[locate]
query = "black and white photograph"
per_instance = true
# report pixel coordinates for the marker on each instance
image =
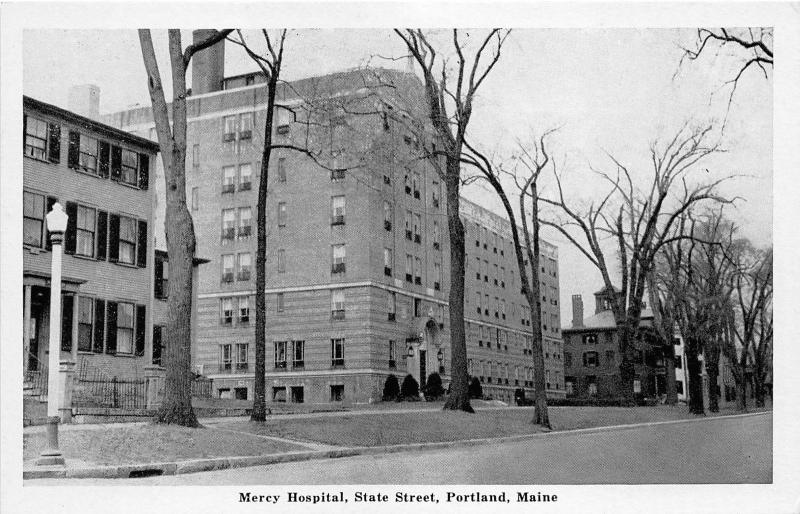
(396, 258)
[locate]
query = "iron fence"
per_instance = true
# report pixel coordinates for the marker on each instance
(201, 387)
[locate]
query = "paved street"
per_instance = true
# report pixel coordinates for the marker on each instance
(714, 450)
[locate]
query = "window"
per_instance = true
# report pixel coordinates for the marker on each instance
(279, 394)
(437, 276)
(85, 323)
(503, 309)
(678, 361)
(592, 385)
(226, 311)
(590, 359)
(407, 182)
(392, 354)
(282, 214)
(225, 357)
(679, 386)
(127, 240)
(338, 265)
(227, 267)
(87, 159)
(280, 354)
(125, 325)
(281, 261)
(280, 302)
(337, 304)
(244, 264)
(245, 177)
(228, 224)
(409, 268)
(246, 125)
(590, 339)
(229, 128)
(195, 155)
(388, 259)
(436, 241)
(478, 302)
(387, 215)
(486, 304)
(245, 222)
(33, 218)
(391, 306)
(241, 356)
(417, 271)
(337, 210)
(417, 307)
(609, 356)
(298, 354)
(337, 352)
(35, 138)
(85, 228)
(417, 228)
(228, 179)
(195, 198)
(408, 225)
(130, 167)
(478, 268)
(281, 169)
(338, 174)
(244, 309)
(337, 393)
(485, 270)
(435, 194)
(415, 184)
(496, 276)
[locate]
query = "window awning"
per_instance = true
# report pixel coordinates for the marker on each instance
(42, 279)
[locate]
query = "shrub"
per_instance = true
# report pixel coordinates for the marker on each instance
(391, 388)
(475, 389)
(433, 387)
(410, 389)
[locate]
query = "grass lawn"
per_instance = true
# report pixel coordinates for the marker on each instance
(386, 428)
(152, 443)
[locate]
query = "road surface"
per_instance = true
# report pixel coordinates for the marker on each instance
(714, 450)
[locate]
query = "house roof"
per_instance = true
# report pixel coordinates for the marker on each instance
(603, 320)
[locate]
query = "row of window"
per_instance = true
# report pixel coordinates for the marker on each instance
(413, 226)
(104, 326)
(42, 141)
(591, 359)
(91, 232)
(298, 393)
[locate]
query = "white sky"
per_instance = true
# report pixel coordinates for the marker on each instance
(611, 90)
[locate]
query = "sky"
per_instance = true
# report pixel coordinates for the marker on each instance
(609, 92)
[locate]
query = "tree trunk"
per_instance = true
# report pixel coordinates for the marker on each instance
(177, 405)
(669, 369)
(540, 414)
(627, 372)
(712, 370)
(459, 384)
(259, 384)
(696, 403)
(741, 392)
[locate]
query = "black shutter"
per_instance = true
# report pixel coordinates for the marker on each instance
(67, 302)
(74, 149)
(51, 200)
(141, 246)
(99, 325)
(144, 171)
(111, 327)
(104, 151)
(113, 237)
(141, 324)
(54, 142)
(157, 345)
(24, 132)
(116, 163)
(102, 235)
(71, 236)
(158, 277)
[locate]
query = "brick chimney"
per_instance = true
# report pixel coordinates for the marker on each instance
(208, 66)
(84, 100)
(577, 311)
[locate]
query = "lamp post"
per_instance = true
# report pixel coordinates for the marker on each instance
(56, 226)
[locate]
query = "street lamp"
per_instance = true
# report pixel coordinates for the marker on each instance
(410, 351)
(56, 226)
(440, 355)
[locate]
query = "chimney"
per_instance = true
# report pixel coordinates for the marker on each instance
(84, 100)
(577, 311)
(208, 65)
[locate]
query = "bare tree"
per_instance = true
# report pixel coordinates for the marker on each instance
(664, 323)
(530, 162)
(749, 47)
(639, 222)
(750, 320)
(450, 93)
(180, 237)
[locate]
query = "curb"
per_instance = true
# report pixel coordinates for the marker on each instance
(220, 463)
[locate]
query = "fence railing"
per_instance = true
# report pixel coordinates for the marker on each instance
(35, 381)
(201, 387)
(95, 388)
